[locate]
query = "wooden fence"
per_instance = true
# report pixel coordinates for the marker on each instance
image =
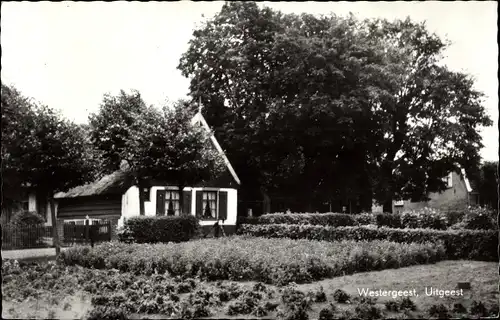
(98, 231)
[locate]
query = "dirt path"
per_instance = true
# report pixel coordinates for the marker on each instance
(30, 253)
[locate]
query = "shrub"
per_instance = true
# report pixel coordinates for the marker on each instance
(319, 295)
(459, 308)
(392, 306)
(479, 219)
(276, 261)
(425, 218)
(439, 310)
(107, 313)
(26, 218)
(407, 304)
(155, 229)
(325, 219)
(367, 311)
(459, 244)
(478, 309)
(326, 314)
(23, 231)
(341, 296)
(390, 220)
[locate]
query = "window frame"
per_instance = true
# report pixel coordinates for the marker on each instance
(177, 212)
(207, 191)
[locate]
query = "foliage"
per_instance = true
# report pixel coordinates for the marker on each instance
(25, 219)
(277, 261)
(390, 220)
(424, 218)
(401, 119)
(327, 219)
(111, 126)
(367, 311)
(439, 310)
(407, 304)
(153, 229)
(166, 146)
(459, 244)
(155, 145)
(116, 294)
(22, 230)
(341, 296)
(478, 308)
(106, 313)
(40, 148)
(478, 218)
(488, 184)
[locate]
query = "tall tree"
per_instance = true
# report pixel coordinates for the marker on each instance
(110, 131)
(17, 121)
(305, 102)
(427, 116)
(166, 146)
(283, 90)
(46, 152)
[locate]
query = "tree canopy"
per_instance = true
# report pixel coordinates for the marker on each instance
(327, 106)
(157, 145)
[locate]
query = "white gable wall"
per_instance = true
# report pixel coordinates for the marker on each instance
(130, 203)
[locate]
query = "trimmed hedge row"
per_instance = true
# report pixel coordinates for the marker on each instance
(459, 244)
(325, 219)
(426, 218)
(276, 261)
(154, 229)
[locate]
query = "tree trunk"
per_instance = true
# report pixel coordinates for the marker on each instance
(141, 196)
(55, 234)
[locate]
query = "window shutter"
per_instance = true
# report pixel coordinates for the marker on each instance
(222, 205)
(160, 202)
(199, 203)
(187, 202)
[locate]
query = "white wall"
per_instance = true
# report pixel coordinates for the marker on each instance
(130, 203)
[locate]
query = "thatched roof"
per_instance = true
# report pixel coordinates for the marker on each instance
(113, 184)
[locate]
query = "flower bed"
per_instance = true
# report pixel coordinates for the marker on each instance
(459, 244)
(276, 261)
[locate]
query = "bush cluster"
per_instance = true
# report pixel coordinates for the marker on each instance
(459, 244)
(153, 229)
(276, 261)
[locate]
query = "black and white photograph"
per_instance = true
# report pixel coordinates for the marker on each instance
(249, 160)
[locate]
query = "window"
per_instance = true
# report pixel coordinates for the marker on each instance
(25, 205)
(209, 205)
(172, 203)
(448, 180)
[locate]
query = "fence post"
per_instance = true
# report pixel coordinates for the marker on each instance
(86, 230)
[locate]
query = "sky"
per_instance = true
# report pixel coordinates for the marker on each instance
(69, 54)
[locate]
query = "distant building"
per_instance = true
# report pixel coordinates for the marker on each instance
(459, 194)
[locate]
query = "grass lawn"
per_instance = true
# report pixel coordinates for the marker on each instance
(73, 300)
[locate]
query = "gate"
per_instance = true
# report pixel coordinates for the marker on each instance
(98, 231)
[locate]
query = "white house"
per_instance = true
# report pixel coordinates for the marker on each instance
(116, 198)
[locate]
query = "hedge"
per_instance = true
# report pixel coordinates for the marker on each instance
(459, 244)
(144, 229)
(276, 261)
(425, 218)
(325, 219)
